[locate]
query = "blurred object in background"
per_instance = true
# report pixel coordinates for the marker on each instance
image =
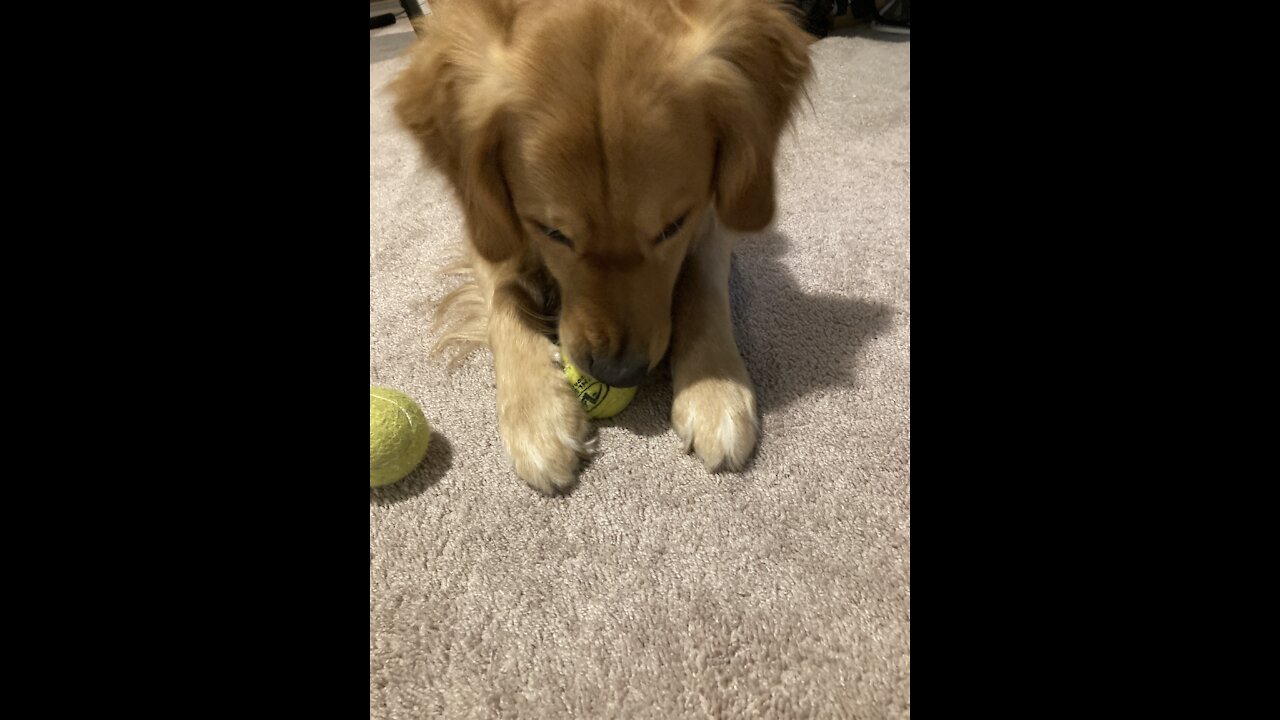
(819, 16)
(411, 9)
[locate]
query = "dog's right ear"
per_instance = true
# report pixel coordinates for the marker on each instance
(451, 98)
(750, 63)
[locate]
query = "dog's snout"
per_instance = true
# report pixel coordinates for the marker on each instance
(622, 370)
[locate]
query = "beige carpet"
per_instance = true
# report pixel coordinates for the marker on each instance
(655, 589)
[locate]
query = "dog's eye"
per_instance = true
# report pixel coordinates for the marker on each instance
(671, 229)
(556, 235)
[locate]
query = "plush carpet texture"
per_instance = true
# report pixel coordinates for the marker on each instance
(656, 589)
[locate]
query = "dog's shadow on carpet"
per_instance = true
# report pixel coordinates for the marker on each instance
(795, 345)
(437, 462)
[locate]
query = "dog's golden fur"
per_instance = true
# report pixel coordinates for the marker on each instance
(595, 147)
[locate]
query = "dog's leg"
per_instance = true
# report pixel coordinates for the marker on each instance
(540, 419)
(714, 408)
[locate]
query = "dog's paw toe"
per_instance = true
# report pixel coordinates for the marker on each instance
(547, 440)
(716, 419)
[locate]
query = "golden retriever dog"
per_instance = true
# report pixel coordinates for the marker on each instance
(600, 151)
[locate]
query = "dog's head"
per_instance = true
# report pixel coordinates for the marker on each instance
(591, 138)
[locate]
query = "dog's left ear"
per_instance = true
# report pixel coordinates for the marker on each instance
(751, 61)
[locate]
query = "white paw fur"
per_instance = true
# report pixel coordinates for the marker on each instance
(716, 419)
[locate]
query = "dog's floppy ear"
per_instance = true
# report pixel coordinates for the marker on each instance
(451, 98)
(751, 63)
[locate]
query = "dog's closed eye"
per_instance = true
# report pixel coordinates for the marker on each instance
(555, 234)
(670, 230)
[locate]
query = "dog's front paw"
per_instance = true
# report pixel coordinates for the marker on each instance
(545, 430)
(716, 418)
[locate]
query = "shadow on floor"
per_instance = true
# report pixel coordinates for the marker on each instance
(437, 462)
(795, 344)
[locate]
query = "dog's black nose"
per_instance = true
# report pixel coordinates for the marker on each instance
(626, 370)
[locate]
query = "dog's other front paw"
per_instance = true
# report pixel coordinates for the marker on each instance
(716, 418)
(545, 430)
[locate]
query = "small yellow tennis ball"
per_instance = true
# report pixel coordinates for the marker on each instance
(601, 401)
(398, 435)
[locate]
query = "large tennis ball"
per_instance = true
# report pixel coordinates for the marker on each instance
(398, 435)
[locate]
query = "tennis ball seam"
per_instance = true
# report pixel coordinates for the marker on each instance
(399, 407)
